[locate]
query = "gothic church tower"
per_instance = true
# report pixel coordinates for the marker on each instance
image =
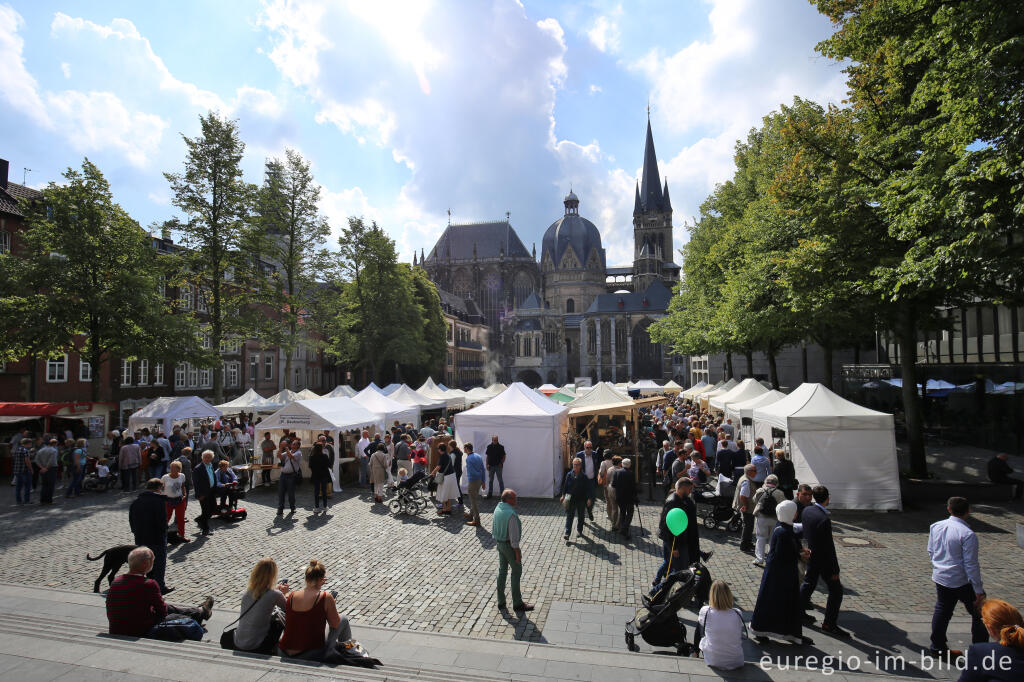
(652, 225)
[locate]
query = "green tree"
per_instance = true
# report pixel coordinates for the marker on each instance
(434, 328)
(88, 280)
(292, 234)
(218, 232)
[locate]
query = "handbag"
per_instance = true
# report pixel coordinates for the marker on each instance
(567, 501)
(227, 637)
(177, 629)
(351, 652)
(438, 478)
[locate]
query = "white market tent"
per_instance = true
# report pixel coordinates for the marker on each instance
(306, 394)
(740, 410)
(836, 443)
(603, 398)
(647, 387)
(746, 389)
(390, 388)
(435, 392)
(168, 411)
(373, 400)
(696, 394)
(688, 393)
(569, 390)
(548, 389)
(307, 417)
(250, 401)
(705, 397)
(478, 395)
(407, 396)
(341, 391)
(672, 387)
(284, 396)
(532, 429)
(496, 388)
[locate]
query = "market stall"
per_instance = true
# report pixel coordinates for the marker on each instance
(435, 392)
(84, 419)
(342, 391)
(250, 401)
(168, 411)
(407, 396)
(704, 398)
(742, 413)
(745, 390)
(373, 400)
(691, 391)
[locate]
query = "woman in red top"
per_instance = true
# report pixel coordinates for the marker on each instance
(306, 612)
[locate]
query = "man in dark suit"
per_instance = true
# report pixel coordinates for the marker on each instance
(203, 479)
(817, 531)
(624, 484)
(147, 517)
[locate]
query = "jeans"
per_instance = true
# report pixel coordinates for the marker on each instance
(945, 603)
(157, 469)
(286, 483)
(49, 482)
(129, 478)
(680, 562)
(364, 475)
(491, 471)
(23, 481)
(319, 492)
(75, 487)
(746, 538)
(835, 593)
(577, 507)
(507, 557)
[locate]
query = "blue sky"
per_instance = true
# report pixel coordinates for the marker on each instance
(407, 109)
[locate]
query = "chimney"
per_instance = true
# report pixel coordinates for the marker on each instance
(4, 168)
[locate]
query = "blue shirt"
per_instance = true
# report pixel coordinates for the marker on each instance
(763, 465)
(953, 548)
(475, 468)
(209, 472)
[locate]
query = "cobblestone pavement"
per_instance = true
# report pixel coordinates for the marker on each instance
(429, 573)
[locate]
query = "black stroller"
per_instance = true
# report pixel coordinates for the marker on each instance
(715, 506)
(657, 621)
(409, 497)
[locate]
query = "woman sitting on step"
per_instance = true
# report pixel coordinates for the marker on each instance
(307, 611)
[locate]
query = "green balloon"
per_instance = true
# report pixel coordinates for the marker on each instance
(677, 521)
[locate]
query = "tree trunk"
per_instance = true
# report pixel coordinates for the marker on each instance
(773, 370)
(803, 361)
(826, 351)
(33, 383)
(728, 366)
(750, 362)
(287, 368)
(906, 335)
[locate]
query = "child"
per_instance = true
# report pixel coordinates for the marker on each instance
(403, 475)
(103, 473)
(721, 627)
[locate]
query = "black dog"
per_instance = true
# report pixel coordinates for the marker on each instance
(113, 559)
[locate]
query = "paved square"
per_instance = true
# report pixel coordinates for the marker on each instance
(434, 574)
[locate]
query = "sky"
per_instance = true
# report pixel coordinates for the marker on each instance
(407, 110)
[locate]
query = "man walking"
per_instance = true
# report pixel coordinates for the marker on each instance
(129, 458)
(624, 485)
(495, 463)
(743, 503)
(817, 530)
(475, 475)
(953, 549)
(507, 531)
(363, 457)
(147, 517)
(202, 478)
(21, 467)
(267, 449)
(46, 460)
(591, 465)
(687, 544)
(291, 461)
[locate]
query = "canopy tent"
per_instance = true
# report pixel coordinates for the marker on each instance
(166, 411)
(602, 399)
(705, 397)
(391, 388)
(478, 395)
(284, 396)
(307, 417)
(496, 388)
(740, 410)
(561, 398)
(569, 390)
(250, 401)
(407, 396)
(306, 394)
(671, 387)
(547, 389)
(745, 390)
(532, 429)
(435, 392)
(647, 387)
(836, 443)
(689, 393)
(696, 394)
(341, 391)
(373, 400)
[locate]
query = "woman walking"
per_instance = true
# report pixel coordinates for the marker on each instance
(319, 475)
(447, 489)
(778, 611)
(176, 491)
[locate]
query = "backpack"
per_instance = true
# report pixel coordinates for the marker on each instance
(766, 505)
(177, 629)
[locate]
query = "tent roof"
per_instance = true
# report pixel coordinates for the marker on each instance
(645, 383)
(672, 387)
(748, 388)
(407, 396)
(517, 400)
(341, 391)
(248, 400)
(601, 399)
(284, 396)
(746, 407)
(547, 389)
(496, 388)
(431, 390)
(562, 398)
(699, 385)
(306, 394)
(814, 407)
(707, 388)
(180, 407)
(390, 388)
(478, 395)
(373, 400)
(321, 414)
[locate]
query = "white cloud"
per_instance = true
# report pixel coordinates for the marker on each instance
(595, 89)
(367, 115)
(17, 85)
(66, 69)
(99, 120)
(604, 33)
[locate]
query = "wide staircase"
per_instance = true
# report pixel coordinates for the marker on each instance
(54, 634)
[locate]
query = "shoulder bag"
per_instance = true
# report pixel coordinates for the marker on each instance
(227, 637)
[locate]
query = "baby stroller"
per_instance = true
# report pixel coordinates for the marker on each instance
(715, 506)
(657, 621)
(409, 497)
(231, 511)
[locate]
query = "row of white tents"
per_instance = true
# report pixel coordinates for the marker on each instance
(834, 442)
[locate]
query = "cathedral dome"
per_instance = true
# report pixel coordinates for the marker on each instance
(571, 230)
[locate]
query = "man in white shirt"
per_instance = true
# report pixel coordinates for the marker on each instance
(590, 468)
(291, 465)
(953, 549)
(363, 457)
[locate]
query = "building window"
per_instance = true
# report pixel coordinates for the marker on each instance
(570, 305)
(268, 367)
(185, 296)
(298, 376)
(254, 368)
(193, 376)
(205, 340)
(158, 374)
(201, 300)
(143, 372)
(5, 241)
(205, 378)
(84, 370)
(126, 373)
(230, 346)
(231, 374)
(57, 370)
(180, 380)
(161, 283)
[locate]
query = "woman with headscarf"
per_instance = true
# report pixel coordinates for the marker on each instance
(777, 611)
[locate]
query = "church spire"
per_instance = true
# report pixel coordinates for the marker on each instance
(637, 208)
(650, 187)
(667, 201)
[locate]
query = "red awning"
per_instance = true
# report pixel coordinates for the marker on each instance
(41, 409)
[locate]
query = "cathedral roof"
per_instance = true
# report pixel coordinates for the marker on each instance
(532, 302)
(655, 298)
(571, 230)
(651, 197)
(485, 241)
